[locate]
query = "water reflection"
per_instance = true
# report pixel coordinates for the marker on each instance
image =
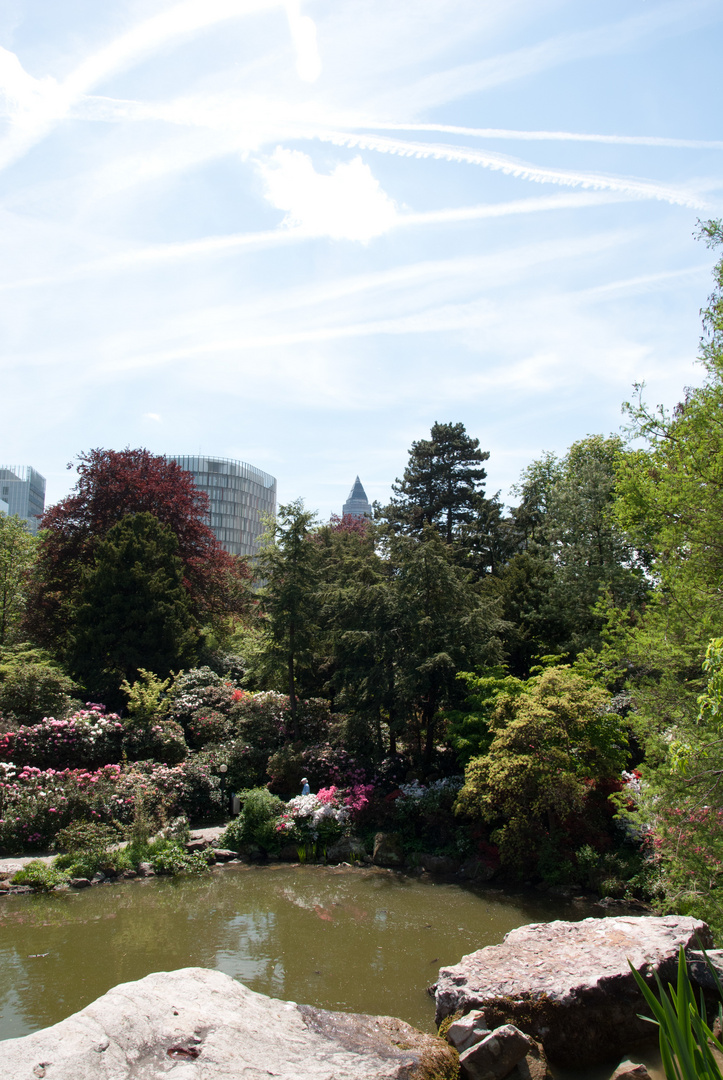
(365, 941)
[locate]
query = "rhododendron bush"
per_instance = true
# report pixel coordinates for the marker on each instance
(90, 739)
(36, 803)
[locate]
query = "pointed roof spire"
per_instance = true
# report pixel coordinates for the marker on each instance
(357, 505)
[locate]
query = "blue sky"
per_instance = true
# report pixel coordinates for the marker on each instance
(298, 233)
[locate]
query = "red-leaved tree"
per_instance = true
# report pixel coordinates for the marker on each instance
(112, 484)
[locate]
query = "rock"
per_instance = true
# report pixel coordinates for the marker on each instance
(388, 850)
(628, 1070)
(440, 864)
(699, 971)
(496, 1055)
(533, 1066)
(145, 870)
(97, 878)
(224, 854)
(203, 1024)
(349, 849)
(476, 870)
(471, 1029)
(196, 845)
(568, 985)
(79, 883)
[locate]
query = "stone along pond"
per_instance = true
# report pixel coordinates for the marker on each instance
(361, 940)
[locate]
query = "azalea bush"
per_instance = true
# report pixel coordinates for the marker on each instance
(314, 822)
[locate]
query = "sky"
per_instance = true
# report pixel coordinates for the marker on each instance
(298, 233)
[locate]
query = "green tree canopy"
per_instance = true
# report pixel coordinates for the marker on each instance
(288, 564)
(442, 484)
(18, 551)
(547, 741)
(132, 611)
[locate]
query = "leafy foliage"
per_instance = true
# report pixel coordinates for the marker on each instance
(17, 555)
(548, 741)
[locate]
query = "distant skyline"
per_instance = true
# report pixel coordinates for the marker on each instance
(297, 233)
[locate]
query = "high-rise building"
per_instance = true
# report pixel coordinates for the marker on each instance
(240, 496)
(357, 505)
(23, 489)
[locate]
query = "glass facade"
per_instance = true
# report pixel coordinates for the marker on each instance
(240, 496)
(23, 489)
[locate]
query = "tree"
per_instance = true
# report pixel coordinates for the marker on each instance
(132, 611)
(670, 498)
(288, 565)
(443, 627)
(548, 741)
(574, 553)
(442, 484)
(17, 555)
(111, 485)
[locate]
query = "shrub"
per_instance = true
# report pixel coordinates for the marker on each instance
(325, 765)
(30, 691)
(40, 876)
(314, 821)
(169, 857)
(256, 824)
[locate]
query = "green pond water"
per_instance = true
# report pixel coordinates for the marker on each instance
(362, 940)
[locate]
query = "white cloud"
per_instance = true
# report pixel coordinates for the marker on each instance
(156, 417)
(303, 34)
(347, 204)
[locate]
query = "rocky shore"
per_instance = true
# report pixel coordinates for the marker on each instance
(559, 991)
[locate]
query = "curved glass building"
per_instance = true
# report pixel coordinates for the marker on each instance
(240, 496)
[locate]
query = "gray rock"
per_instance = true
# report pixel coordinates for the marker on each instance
(289, 853)
(349, 849)
(532, 1067)
(471, 1029)
(629, 1070)
(196, 845)
(145, 870)
(97, 878)
(224, 854)
(496, 1055)
(440, 864)
(79, 883)
(476, 870)
(568, 985)
(388, 850)
(203, 1025)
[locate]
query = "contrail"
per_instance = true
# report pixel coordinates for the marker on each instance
(548, 136)
(642, 189)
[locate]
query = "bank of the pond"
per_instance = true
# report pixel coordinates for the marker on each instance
(364, 939)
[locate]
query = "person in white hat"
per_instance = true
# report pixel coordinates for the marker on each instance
(305, 789)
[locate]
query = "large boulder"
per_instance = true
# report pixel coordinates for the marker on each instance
(388, 850)
(568, 984)
(203, 1025)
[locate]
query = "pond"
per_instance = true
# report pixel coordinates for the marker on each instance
(362, 940)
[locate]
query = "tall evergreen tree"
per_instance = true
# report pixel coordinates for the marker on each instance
(289, 566)
(132, 610)
(442, 484)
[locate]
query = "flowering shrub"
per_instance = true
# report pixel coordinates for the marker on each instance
(314, 821)
(208, 726)
(36, 804)
(264, 719)
(322, 763)
(90, 739)
(426, 812)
